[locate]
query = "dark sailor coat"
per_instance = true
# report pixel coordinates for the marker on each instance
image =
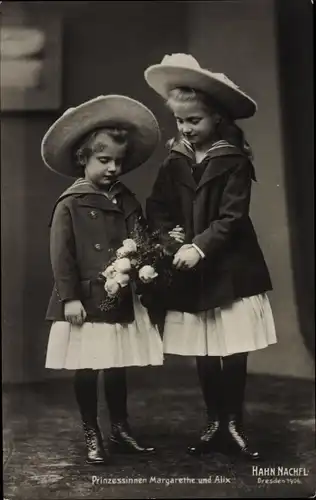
(213, 209)
(86, 227)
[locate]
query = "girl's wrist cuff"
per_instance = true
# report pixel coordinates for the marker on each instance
(198, 250)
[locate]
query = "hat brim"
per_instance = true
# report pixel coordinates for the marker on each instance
(163, 78)
(112, 110)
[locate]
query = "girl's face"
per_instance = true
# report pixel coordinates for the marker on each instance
(105, 163)
(195, 123)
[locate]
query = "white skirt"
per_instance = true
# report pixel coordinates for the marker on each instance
(246, 325)
(104, 345)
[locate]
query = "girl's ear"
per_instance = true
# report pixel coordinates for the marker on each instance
(217, 125)
(81, 158)
(217, 119)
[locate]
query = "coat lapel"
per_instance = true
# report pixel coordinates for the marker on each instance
(217, 167)
(97, 201)
(184, 174)
(126, 203)
(90, 197)
(213, 169)
(185, 157)
(129, 204)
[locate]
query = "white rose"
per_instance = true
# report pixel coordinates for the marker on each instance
(111, 287)
(147, 274)
(122, 279)
(122, 265)
(130, 245)
(122, 252)
(110, 272)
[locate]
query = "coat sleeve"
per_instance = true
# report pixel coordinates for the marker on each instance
(141, 218)
(63, 254)
(136, 220)
(159, 209)
(234, 208)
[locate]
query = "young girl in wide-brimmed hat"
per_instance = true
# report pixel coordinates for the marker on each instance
(218, 309)
(96, 142)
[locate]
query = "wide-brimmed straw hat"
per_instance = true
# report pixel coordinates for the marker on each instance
(183, 70)
(58, 144)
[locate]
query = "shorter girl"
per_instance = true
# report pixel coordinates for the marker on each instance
(96, 142)
(218, 310)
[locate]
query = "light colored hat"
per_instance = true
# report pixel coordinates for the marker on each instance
(183, 70)
(110, 110)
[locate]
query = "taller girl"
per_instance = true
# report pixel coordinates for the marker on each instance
(217, 310)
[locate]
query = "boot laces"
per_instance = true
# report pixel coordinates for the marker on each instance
(238, 434)
(212, 426)
(210, 430)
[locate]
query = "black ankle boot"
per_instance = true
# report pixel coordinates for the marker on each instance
(96, 453)
(209, 373)
(86, 392)
(122, 441)
(237, 441)
(209, 439)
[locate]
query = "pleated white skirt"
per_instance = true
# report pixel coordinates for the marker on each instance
(103, 345)
(244, 326)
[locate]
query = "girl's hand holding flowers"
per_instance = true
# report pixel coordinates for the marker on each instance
(186, 257)
(177, 233)
(136, 262)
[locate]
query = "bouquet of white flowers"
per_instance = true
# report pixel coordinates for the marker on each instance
(140, 261)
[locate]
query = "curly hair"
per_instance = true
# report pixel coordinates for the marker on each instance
(86, 146)
(226, 127)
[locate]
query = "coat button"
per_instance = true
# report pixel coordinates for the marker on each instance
(97, 246)
(93, 214)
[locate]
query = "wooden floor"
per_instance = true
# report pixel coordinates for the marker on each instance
(44, 451)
